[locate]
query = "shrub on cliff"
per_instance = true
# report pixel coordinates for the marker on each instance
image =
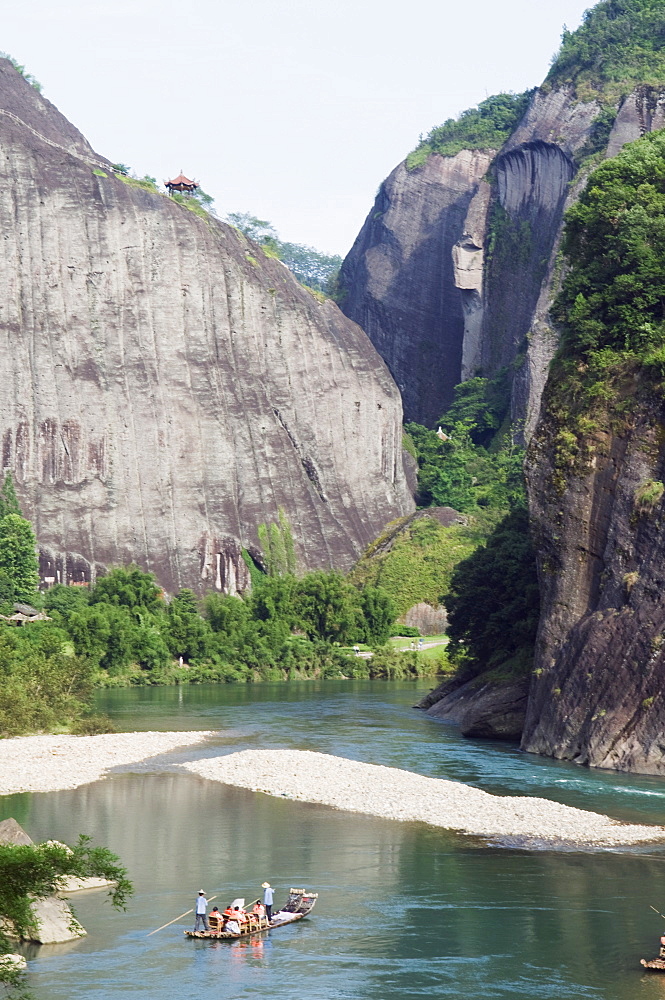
(484, 127)
(460, 474)
(611, 308)
(312, 268)
(494, 601)
(620, 42)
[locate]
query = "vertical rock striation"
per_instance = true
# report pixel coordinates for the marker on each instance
(399, 279)
(455, 268)
(165, 386)
(596, 696)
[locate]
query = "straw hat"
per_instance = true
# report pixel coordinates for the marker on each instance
(265, 885)
(202, 892)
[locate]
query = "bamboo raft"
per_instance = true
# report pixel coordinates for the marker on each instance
(298, 905)
(656, 964)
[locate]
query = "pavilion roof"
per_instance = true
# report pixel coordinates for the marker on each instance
(181, 179)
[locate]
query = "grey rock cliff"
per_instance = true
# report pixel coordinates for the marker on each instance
(399, 278)
(455, 268)
(596, 696)
(481, 709)
(165, 386)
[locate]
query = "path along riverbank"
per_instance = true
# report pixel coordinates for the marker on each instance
(50, 763)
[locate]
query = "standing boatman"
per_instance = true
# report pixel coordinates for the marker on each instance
(268, 895)
(200, 910)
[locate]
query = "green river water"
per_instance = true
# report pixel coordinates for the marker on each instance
(405, 910)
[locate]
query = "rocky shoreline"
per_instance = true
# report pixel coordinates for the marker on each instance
(51, 763)
(394, 794)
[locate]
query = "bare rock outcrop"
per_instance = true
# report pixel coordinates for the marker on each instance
(55, 921)
(399, 279)
(596, 696)
(454, 271)
(484, 709)
(427, 619)
(165, 386)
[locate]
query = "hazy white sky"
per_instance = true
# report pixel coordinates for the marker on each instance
(293, 110)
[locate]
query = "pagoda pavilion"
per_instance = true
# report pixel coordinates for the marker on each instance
(181, 183)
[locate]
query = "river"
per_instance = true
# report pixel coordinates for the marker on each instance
(405, 910)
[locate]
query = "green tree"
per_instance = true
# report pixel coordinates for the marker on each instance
(327, 606)
(18, 558)
(129, 587)
(378, 615)
(273, 599)
(493, 605)
(31, 872)
(189, 634)
(8, 500)
(225, 613)
(482, 405)
(64, 600)
(42, 685)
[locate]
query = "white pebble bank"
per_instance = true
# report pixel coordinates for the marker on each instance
(50, 763)
(401, 795)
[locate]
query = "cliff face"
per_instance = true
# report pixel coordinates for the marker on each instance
(596, 696)
(399, 277)
(165, 387)
(454, 271)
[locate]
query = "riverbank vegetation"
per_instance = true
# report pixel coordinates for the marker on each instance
(124, 630)
(494, 603)
(484, 567)
(30, 872)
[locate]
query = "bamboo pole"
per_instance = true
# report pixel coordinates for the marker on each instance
(176, 918)
(657, 911)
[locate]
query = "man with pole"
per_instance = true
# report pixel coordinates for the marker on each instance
(200, 909)
(268, 897)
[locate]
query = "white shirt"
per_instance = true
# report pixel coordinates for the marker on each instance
(268, 896)
(201, 904)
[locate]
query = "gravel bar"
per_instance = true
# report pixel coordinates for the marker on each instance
(402, 795)
(51, 763)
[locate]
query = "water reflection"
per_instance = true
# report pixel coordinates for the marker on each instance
(375, 722)
(405, 910)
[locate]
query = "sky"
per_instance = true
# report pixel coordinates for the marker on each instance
(292, 110)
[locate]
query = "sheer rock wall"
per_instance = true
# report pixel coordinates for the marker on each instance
(596, 694)
(165, 386)
(399, 278)
(455, 268)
